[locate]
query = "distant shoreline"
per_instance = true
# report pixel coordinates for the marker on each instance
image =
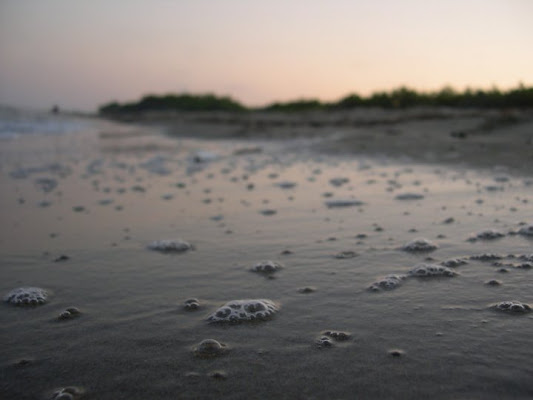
(470, 137)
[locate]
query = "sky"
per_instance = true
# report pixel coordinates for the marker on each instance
(82, 54)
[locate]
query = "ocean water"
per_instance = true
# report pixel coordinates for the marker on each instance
(15, 123)
(81, 208)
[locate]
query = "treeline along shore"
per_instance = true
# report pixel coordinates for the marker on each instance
(401, 98)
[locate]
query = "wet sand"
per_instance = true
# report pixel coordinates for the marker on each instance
(80, 212)
(471, 138)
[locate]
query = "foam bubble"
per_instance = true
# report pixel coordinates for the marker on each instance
(247, 150)
(69, 313)
(192, 375)
(170, 245)
(62, 258)
(512, 306)
(346, 254)
(389, 282)
(501, 178)
(338, 181)
(157, 165)
(426, 270)
(267, 267)
(46, 184)
(94, 167)
(343, 203)
(209, 348)
(68, 393)
(286, 185)
(23, 362)
(420, 244)
(192, 304)
(409, 196)
(244, 310)
(324, 341)
(23, 173)
(26, 296)
(307, 289)
(268, 212)
(203, 156)
(220, 375)
(396, 353)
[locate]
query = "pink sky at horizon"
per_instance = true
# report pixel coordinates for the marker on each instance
(83, 54)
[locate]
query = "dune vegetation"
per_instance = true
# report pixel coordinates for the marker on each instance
(403, 97)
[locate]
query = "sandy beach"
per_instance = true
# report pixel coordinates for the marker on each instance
(469, 137)
(367, 254)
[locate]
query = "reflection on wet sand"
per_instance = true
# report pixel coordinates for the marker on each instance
(328, 227)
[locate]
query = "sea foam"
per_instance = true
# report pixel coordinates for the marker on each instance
(244, 310)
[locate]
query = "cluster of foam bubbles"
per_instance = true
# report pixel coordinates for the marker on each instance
(427, 270)
(487, 234)
(57, 169)
(454, 262)
(512, 306)
(328, 338)
(419, 244)
(244, 310)
(338, 336)
(423, 270)
(499, 260)
(26, 296)
(209, 348)
(526, 257)
(526, 230)
(389, 282)
(519, 265)
(486, 257)
(267, 267)
(170, 246)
